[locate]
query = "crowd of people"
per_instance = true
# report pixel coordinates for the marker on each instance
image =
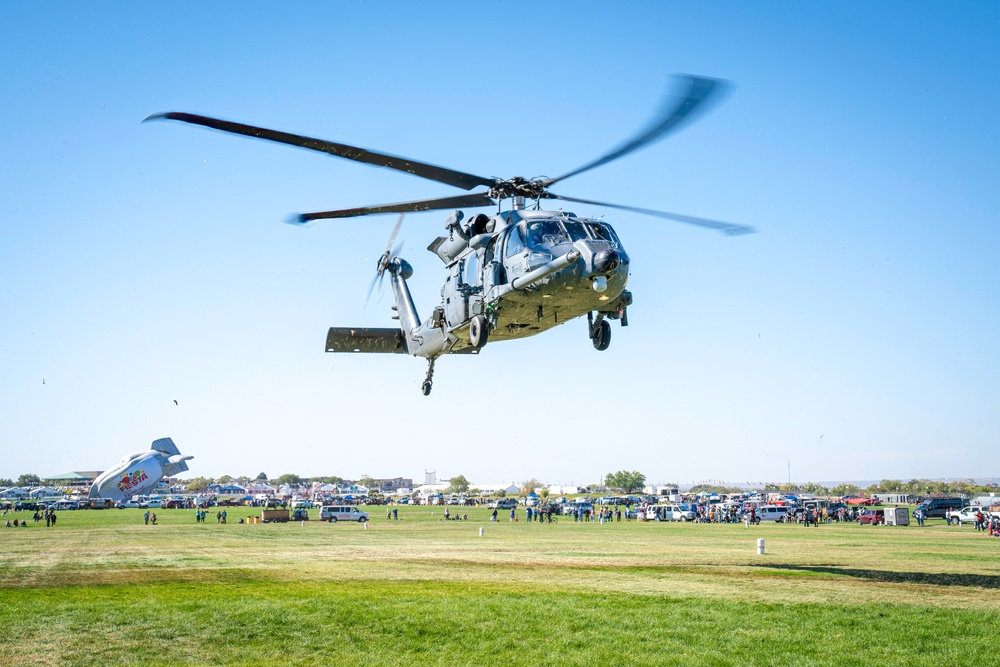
(49, 515)
(988, 524)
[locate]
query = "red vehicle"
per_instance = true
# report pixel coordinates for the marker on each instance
(873, 517)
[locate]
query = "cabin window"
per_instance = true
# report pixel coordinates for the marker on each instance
(472, 270)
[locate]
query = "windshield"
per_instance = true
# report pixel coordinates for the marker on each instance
(540, 233)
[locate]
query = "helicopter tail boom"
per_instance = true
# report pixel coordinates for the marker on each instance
(347, 339)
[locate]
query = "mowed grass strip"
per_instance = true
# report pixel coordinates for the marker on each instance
(442, 623)
(103, 588)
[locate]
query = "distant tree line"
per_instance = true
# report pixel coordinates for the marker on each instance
(623, 480)
(916, 487)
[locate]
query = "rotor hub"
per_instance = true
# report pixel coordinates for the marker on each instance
(518, 187)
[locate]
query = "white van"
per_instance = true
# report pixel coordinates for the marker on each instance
(777, 513)
(335, 513)
(669, 513)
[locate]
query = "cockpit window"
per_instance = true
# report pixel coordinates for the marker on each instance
(576, 231)
(544, 232)
(603, 232)
(515, 243)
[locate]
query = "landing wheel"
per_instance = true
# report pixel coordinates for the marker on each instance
(425, 388)
(479, 331)
(602, 336)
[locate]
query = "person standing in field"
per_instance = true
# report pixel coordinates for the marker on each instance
(145, 517)
(395, 514)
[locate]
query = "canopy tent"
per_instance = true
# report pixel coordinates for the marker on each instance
(70, 477)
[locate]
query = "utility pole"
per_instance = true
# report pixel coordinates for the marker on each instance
(789, 473)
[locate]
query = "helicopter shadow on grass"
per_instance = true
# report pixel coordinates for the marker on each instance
(888, 576)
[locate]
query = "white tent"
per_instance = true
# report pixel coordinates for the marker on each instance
(260, 487)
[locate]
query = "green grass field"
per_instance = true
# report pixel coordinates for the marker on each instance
(102, 588)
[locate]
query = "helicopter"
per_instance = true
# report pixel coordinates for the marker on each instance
(509, 275)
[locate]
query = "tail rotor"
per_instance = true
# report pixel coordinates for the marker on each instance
(391, 252)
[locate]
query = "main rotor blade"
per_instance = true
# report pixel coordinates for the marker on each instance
(428, 171)
(729, 228)
(461, 201)
(692, 92)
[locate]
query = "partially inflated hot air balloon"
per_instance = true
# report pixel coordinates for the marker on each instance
(138, 473)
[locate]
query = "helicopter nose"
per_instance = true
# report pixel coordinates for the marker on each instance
(606, 260)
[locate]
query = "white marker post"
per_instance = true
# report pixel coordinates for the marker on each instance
(481, 531)
(760, 546)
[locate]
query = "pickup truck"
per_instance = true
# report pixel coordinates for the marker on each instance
(968, 514)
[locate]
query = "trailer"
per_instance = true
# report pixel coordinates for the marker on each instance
(897, 516)
(274, 516)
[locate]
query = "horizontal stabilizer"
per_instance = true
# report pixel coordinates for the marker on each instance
(173, 467)
(346, 339)
(166, 445)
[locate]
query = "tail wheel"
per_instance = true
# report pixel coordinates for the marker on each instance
(479, 331)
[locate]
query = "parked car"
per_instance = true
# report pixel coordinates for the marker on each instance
(127, 504)
(156, 504)
(872, 517)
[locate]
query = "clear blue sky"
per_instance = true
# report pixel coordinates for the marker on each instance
(855, 336)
